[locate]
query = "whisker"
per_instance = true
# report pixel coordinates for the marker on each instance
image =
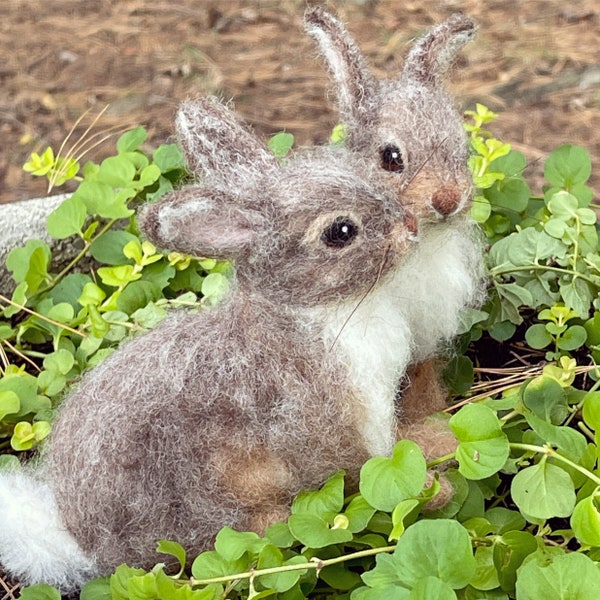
(363, 298)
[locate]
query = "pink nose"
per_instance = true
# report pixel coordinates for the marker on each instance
(446, 200)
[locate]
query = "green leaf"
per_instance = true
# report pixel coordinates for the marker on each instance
(546, 398)
(100, 199)
(325, 502)
(402, 510)
(509, 552)
(591, 410)
(585, 520)
(108, 248)
(29, 263)
(384, 482)
(169, 157)
(132, 140)
(173, 549)
(40, 591)
(439, 548)
(232, 544)
(573, 338)
(271, 556)
(138, 294)
(208, 565)
(486, 576)
(483, 447)
(96, 589)
(570, 576)
(568, 166)
(67, 218)
(214, 287)
(9, 403)
(431, 587)
(280, 144)
(116, 171)
(315, 532)
(537, 336)
(543, 491)
(359, 512)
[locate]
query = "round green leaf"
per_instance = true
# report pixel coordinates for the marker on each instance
(384, 482)
(315, 532)
(67, 218)
(585, 520)
(543, 491)
(574, 337)
(483, 447)
(570, 576)
(40, 591)
(537, 336)
(438, 548)
(568, 166)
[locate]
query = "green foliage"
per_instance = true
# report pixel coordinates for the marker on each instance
(524, 521)
(56, 324)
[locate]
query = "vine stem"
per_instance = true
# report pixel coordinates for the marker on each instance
(314, 563)
(40, 316)
(552, 453)
(514, 269)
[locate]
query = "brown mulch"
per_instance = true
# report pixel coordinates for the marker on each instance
(537, 63)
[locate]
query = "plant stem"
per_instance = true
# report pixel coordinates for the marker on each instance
(314, 563)
(495, 272)
(550, 452)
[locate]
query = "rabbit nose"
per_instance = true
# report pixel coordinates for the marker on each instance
(446, 200)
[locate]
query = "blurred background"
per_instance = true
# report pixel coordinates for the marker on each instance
(535, 62)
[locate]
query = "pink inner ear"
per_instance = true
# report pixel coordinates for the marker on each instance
(203, 227)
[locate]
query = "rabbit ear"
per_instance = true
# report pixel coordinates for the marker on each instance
(201, 222)
(356, 86)
(218, 148)
(432, 55)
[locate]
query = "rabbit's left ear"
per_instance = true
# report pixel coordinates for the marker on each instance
(219, 149)
(355, 85)
(432, 56)
(201, 222)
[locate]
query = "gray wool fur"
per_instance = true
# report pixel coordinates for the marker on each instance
(220, 417)
(414, 114)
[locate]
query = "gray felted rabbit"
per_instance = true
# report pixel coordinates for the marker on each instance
(410, 135)
(220, 417)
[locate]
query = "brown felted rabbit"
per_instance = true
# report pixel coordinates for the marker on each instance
(220, 417)
(411, 137)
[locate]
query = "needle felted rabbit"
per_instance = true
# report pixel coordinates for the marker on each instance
(410, 135)
(220, 417)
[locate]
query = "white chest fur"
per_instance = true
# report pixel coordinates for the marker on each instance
(373, 339)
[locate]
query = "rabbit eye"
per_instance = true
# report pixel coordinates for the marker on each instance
(340, 233)
(391, 159)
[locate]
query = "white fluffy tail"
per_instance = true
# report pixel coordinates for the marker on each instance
(35, 546)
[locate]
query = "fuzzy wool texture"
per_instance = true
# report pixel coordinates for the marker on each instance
(345, 274)
(35, 545)
(414, 114)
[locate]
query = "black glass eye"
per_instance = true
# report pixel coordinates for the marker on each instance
(340, 233)
(391, 159)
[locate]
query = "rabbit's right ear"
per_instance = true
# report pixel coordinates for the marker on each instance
(356, 87)
(201, 222)
(432, 56)
(218, 148)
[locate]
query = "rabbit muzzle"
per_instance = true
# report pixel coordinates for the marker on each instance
(448, 200)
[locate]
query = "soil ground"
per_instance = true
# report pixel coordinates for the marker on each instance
(536, 62)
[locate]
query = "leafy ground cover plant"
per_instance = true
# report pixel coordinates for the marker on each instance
(525, 518)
